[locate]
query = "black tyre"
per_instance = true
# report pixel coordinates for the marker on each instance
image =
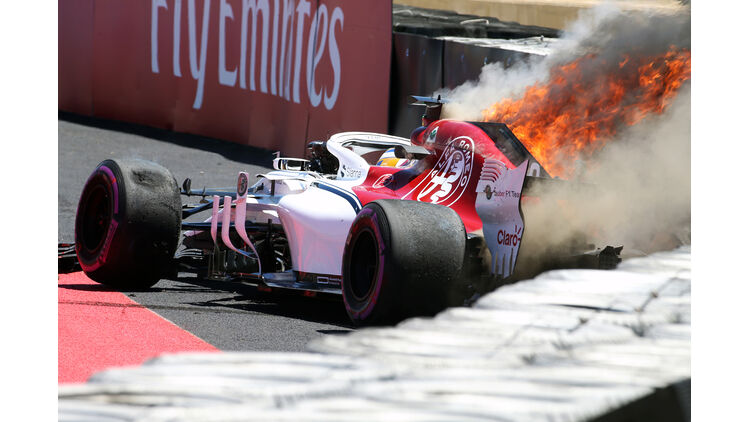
(128, 223)
(402, 259)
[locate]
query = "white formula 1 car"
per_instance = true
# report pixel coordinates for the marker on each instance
(398, 227)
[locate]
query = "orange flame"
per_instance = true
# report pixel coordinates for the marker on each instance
(586, 101)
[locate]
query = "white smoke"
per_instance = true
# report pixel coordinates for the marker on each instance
(635, 193)
(641, 197)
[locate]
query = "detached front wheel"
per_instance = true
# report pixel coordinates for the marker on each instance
(128, 223)
(402, 259)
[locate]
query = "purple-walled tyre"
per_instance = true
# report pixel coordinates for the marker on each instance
(402, 259)
(128, 223)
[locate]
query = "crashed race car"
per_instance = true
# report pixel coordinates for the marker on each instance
(398, 227)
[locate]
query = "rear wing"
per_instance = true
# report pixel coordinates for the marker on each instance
(507, 142)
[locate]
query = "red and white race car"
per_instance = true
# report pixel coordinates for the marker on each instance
(399, 227)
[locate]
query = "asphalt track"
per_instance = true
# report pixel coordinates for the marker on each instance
(225, 315)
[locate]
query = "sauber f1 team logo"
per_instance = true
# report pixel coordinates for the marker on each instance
(448, 179)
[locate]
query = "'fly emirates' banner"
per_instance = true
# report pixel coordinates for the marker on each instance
(268, 73)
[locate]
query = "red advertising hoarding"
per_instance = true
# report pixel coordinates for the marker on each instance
(268, 73)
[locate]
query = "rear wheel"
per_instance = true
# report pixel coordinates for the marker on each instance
(128, 223)
(402, 259)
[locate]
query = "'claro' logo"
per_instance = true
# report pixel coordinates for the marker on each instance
(283, 37)
(509, 238)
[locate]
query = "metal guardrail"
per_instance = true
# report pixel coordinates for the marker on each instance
(568, 345)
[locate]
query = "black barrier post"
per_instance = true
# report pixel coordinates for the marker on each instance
(417, 69)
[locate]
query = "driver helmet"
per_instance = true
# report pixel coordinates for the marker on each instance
(389, 159)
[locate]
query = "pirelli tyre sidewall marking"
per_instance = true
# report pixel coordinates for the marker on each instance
(446, 182)
(106, 173)
(369, 219)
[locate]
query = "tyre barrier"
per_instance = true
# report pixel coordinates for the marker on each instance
(567, 345)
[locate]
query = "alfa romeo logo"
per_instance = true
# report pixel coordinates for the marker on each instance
(448, 179)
